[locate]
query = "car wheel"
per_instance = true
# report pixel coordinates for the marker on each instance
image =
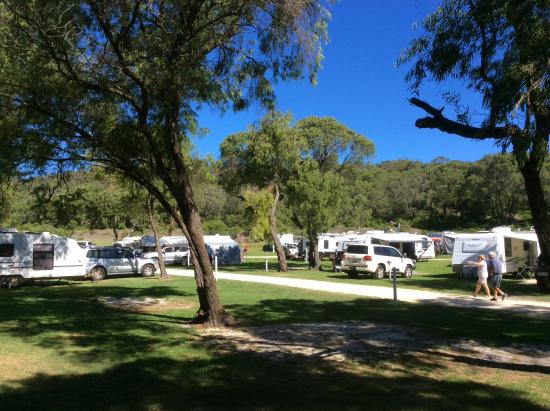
(148, 270)
(98, 274)
(408, 272)
(544, 285)
(380, 272)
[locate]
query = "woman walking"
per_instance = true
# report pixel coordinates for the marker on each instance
(482, 275)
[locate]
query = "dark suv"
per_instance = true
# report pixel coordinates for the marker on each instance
(541, 274)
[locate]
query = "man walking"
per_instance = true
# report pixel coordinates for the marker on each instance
(494, 266)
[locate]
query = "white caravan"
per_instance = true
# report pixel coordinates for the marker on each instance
(516, 250)
(38, 256)
(326, 245)
(418, 247)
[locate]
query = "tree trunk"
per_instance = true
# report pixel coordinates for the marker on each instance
(313, 257)
(150, 213)
(283, 266)
(211, 311)
(539, 207)
(171, 226)
(115, 231)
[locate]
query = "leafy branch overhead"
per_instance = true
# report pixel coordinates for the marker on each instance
(499, 48)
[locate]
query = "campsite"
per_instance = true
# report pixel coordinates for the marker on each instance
(274, 205)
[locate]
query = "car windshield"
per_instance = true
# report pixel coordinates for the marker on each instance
(358, 249)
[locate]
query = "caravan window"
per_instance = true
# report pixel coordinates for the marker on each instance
(508, 247)
(6, 250)
(326, 244)
(42, 257)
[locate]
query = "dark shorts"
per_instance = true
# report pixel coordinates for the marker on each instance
(496, 279)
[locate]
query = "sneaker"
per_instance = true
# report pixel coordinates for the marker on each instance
(504, 296)
(493, 299)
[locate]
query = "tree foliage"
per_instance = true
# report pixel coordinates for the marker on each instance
(499, 48)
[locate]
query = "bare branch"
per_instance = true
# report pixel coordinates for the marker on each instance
(440, 122)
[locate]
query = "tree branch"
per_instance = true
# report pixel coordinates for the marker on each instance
(440, 122)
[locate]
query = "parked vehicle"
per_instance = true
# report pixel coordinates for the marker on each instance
(419, 247)
(291, 250)
(516, 250)
(86, 244)
(26, 255)
(375, 260)
(172, 255)
(541, 273)
(106, 261)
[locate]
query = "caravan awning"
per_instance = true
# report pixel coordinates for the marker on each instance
(522, 236)
(400, 237)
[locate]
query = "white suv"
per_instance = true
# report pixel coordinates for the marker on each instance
(375, 259)
(172, 255)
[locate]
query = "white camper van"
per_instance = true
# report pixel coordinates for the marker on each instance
(516, 250)
(417, 247)
(37, 256)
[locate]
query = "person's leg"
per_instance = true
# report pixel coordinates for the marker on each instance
(478, 288)
(487, 290)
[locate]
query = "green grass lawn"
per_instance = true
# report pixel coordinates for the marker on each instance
(61, 349)
(433, 275)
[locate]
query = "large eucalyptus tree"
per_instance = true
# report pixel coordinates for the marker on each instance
(119, 82)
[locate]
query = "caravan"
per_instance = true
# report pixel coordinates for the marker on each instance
(38, 256)
(417, 247)
(516, 249)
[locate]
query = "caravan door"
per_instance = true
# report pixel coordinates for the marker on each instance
(43, 256)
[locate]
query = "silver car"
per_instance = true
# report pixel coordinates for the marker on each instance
(106, 261)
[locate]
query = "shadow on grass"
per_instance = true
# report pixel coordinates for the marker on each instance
(491, 327)
(69, 317)
(248, 381)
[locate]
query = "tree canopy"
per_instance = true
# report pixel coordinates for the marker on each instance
(499, 48)
(120, 83)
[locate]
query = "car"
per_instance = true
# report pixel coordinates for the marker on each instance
(541, 273)
(172, 255)
(376, 260)
(102, 262)
(291, 250)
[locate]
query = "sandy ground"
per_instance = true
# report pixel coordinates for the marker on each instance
(361, 341)
(525, 307)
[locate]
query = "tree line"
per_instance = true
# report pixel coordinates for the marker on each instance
(438, 195)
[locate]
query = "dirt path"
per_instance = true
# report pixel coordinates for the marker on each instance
(364, 341)
(512, 304)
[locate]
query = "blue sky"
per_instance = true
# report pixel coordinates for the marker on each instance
(361, 87)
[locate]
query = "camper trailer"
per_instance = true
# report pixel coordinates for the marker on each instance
(224, 247)
(38, 256)
(326, 245)
(417, 247)
(516, 250)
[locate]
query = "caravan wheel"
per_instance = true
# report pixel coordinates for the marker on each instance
(13, 281)
(98, 274)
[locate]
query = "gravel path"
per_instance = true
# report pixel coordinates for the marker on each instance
(403, 294)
